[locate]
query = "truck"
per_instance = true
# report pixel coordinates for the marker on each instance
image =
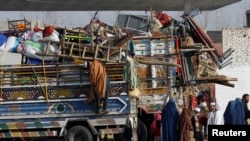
(177, 60)
(43, 99)
(155, 73)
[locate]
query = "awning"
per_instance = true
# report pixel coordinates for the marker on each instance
(110, 5)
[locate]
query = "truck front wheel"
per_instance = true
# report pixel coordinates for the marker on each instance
(79, 133)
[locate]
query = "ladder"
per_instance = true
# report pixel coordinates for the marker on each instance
(73, 50)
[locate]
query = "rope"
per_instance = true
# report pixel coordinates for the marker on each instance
(45, 80)
(44, 90)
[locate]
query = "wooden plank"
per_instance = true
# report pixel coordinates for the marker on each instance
(218, 78)
(153, 91)
(157, 62)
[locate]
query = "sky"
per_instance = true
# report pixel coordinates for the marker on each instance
(231, 16)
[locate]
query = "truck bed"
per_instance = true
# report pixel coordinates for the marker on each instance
(35, 98)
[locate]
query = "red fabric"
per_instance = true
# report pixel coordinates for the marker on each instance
(203, 119)
(193, 102)
(36, 29)
(163, 18)
(156, 130)
(48, 31)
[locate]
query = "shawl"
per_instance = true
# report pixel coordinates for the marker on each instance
(170, 117)
(98, 81)
(184, 125)
(218, 115)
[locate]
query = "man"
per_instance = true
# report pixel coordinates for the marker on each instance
(215, 116)
(99, 86)
(204, 111)
(245, 100)
(197, 126)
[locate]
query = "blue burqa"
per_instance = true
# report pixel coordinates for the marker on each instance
(234, 113)
(170, 117)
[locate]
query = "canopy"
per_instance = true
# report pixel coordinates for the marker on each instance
(110, 5)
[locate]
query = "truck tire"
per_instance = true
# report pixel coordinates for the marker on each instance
(126, 136)
(142, 131)
(120, 137)
(79, 133)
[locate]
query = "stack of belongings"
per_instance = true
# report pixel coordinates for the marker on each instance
(28, 43)
(31, 45)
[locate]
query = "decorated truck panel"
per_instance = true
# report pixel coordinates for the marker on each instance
(33, 106)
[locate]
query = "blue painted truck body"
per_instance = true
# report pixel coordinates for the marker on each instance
(50, 106)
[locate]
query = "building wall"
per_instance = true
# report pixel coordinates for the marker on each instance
(239, 40)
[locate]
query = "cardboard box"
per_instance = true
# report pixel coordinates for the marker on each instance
(7, 58)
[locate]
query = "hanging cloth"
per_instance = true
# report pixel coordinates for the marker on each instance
(184, 125)
(98, 81)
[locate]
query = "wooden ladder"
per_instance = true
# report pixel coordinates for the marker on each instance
(83, 51)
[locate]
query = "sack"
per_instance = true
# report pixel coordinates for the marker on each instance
(54, 36)
(37, 36)
(32, 49)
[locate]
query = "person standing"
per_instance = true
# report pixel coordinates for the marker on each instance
(197, 126)
(204, 112)
(184, 125)
(155, 128)
(245, 100)
(215, 116)
(100, 86)
(234, 113)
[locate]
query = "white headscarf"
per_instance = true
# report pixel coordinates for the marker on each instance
(218, 115)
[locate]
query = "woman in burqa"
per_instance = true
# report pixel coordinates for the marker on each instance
(170, 117)
(234, 113)
(184, 125)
